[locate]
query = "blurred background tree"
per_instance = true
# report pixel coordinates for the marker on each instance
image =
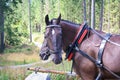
(5, 9)
(14, 17)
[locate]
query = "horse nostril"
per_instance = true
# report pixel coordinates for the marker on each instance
(44, 56)
(41, 55)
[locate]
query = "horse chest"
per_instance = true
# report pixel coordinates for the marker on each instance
(83, 66)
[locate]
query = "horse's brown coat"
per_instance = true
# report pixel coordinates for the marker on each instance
(83, 66)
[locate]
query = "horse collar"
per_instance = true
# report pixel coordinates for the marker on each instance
(77, 41)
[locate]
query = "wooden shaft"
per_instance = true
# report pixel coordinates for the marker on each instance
(54, 72)
(48, 71)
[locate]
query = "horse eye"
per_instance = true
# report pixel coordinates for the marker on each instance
(45, 36)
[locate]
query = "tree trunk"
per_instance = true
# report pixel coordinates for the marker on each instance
(89, 22)
(47, 6)
(119, 24)
(119, 18)
(59, 7)
(41, 14)
(109, 25)
(101, 15)
(84, 10)
(1, 29)
(93, 14)
(29, 1)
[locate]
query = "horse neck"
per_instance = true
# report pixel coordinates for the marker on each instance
(69, 31)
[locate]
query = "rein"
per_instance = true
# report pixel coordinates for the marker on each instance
(104, 38)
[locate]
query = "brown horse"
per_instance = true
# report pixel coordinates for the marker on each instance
(60, 34)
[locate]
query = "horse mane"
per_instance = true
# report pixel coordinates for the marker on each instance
(70, 22)
(66, 21)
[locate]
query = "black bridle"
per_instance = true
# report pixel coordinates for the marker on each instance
(52, 26)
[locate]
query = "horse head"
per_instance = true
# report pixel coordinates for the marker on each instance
(52, 44)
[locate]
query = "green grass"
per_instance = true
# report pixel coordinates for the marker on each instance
(24, 54)
(17, 55)
(21, 73)
(19, 48)
(21, 54)
(13, 74)
(58, 77)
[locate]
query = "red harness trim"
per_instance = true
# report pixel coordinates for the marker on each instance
(82, 37)
(79, 40)
(78, 32)
(70, 56)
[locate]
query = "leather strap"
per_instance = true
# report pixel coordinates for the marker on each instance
(100, 58)
(100, 54)
(101, 49)
(78, 39)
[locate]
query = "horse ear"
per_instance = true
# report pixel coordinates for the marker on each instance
(59, 18)
(47, 19)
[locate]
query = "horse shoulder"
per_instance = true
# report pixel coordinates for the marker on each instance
(111, 56)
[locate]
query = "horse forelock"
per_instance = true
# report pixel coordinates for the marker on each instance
(53, 20)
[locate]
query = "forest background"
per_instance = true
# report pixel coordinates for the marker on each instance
(19, 19)
(22, 27)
